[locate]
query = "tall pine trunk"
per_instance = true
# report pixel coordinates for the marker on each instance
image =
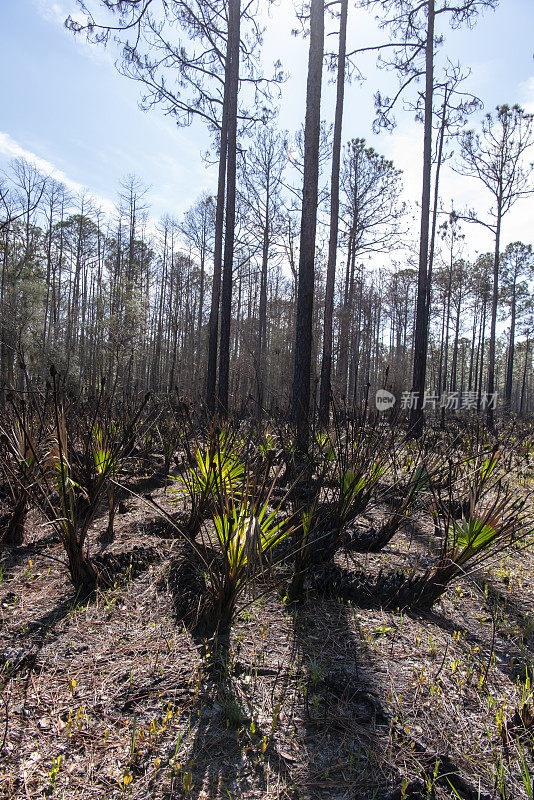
(234, 37)
(511, 348)
(213, 325)
(524, 381)
(493, 325)
(306, 273)
(421, 320)
(262, 317)
(326, 363)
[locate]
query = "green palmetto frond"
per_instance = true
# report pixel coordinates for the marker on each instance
(61, 475)
(214, 472)
(496, 523)
(488, 467)
(473, 535)
(356, 487)
(103, 461)
(246, 534)
(103, 455)
(419, 482)
(220, 469)
(327, 450)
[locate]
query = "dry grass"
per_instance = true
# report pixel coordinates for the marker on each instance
(114, 697)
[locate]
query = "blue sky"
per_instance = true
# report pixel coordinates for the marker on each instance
(64, 104)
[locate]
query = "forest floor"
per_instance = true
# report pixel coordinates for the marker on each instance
(114, 697)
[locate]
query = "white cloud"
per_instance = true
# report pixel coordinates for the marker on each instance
(57, 12)
(53, 12)
(12, 149)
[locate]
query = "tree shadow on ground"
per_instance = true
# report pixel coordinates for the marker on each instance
(329, 691)
(21, 660)
(520, 613)
(326, 682)
(352, 724)
(497, 601)
(220, 748)
(12, 557)
(345, 723)
(505, 655)
(376, 593)
(223, 754)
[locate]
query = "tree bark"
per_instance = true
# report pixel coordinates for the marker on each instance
(493, 326)
(213, 326)
(511, 347)
(234, 20)
(262, 316)
(326, 362)
(306, 274)
(14, 533)
(421, 326)
(524, 381)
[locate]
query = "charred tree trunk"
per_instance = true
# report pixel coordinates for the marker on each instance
(306, 274)
(493, 326)
(262, 318)
(326, 363)
(83, 574)
(226, 298)
(213, 326)
(511, 348)
(14, 533)
(421, 320)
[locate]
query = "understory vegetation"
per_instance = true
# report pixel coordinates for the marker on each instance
(194, 608)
